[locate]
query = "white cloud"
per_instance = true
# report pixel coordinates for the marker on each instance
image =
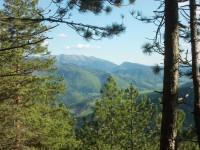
(62, 35)
(198, 12)
(45, 43)
(82, 46)
(183, 3)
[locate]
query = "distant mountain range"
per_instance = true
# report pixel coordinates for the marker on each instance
(86, 75)
(87, 62)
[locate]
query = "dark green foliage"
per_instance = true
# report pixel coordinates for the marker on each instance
(95, 5)
(87, 31)
(119, 122)
(107, 126)
(188, 139)
(29, 87)
(30, 117)
(156, 69)
(41, 127)
(186, 105)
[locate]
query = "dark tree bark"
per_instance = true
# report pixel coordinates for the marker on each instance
(195, 66)
(171, 73)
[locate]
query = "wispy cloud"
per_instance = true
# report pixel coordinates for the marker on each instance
(45, 43)
(82, 46)
(183, 3)
(62, 35)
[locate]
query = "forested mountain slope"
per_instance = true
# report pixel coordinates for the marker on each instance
(86, 75)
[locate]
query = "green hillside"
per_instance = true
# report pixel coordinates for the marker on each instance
(186, 105)
(81, 83)
(86, 75)
(84, 83)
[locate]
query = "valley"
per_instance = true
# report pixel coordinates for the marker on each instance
(86, 75)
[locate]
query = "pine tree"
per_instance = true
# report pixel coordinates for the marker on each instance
(18, 65)
(62, 14)
(119, 122)
(171, 73)
(188, 139)
(140, 119)
(195, 65)
(29, 87)
(104, 130)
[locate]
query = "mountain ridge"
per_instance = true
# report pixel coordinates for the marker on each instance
(89, 62)
(83, 57)
(86, 75)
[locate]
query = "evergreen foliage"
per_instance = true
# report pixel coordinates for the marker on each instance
(188, 139)
(118, 121)
(31, 118)
(41, 127)
(29, 87)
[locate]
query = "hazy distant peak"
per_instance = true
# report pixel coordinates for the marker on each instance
(88, 62)
(81, 57)
(94, 58)
(129, 65)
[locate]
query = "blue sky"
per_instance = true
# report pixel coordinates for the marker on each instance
(126, 47)
(119, 49)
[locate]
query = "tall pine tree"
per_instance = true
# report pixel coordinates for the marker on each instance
(119, 121)
(28, 85)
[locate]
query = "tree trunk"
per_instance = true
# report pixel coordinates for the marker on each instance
(195, 66)
(17, 102)
(171, 73)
